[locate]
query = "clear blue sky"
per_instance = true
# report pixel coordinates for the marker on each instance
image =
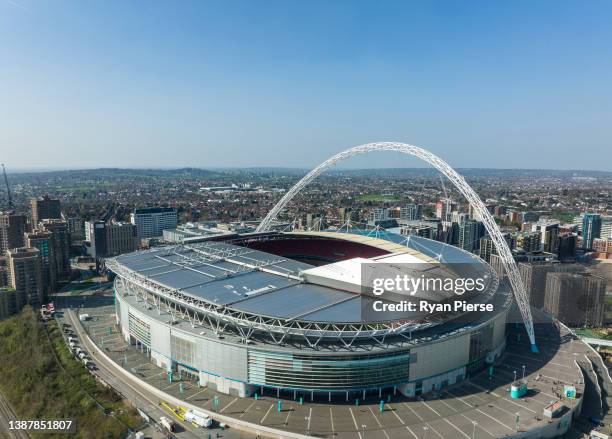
(265, 83)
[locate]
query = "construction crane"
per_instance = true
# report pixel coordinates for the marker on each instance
(8, 188)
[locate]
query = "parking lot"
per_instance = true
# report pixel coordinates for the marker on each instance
(479, 407)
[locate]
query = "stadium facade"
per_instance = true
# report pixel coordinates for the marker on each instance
(275, 311)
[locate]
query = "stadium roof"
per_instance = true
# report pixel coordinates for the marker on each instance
(260, 283)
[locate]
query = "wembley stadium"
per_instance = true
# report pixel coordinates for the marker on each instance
(283, 312)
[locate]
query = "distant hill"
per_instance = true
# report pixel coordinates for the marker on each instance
(123, 173)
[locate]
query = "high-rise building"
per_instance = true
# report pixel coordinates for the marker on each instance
(121, 238)
(567, 247)
(576, 299)
(412, 212)
(419, 228)
(313, 221)
(25, 276)
(151, 222)
(76, 228)
(60, 238)
(346, 214)
(534, 275)
(500, 210)
(45, 243)
(591, 229)
(379, 214)
(8, 302)
(12, 228)
(109, 240)
(3, 272)
(487, 246)
(44, 208)
(469, 235)
(529, 241)
(444, 208)
(549, 234)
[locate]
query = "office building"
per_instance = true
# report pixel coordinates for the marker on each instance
(60, 238)
(12, 228)
(151, 222)
(25, 276)
(44, 208)
(111, 239)
(576, 299)
(591, 229)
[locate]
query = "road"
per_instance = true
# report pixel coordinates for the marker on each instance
(139, 397)
(6, 414)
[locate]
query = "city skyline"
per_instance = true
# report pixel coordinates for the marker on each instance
(210, 85)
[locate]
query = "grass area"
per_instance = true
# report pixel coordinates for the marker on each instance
(378, 197)
(564, 216)
(42, 380)
(602, 333)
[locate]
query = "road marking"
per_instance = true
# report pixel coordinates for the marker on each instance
(448, 405)
(430, 408)
(166, 388)
(495, 419)
(415, 413)
(519, 405)
(484, 389)
(478, 425)
(396, 415)
(247, 409)
(459, 398)
(309, 418)
(375, 418)
(288, 414)
(266, 415)
(456, 428)
(434, 430)
(415, 436)
(331, 417)
(230, 403)
(354, 420)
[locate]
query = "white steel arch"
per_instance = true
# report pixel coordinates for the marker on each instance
(482, 213)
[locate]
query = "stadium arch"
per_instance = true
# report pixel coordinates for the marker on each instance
(460, 184)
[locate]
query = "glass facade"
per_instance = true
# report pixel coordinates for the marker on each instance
(140, 330)
(327, 373)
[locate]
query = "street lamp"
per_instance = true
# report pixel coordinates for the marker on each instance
(514, 381)
(523, 373)
(474, 423)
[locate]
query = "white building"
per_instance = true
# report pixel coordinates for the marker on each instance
(151, 222)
